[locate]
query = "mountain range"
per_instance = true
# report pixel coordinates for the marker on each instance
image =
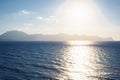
(22, 36)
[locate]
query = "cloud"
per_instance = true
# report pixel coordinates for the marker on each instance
(52, 16)
(26, 12)
(28, 24)
(39, 18)
(50, 19)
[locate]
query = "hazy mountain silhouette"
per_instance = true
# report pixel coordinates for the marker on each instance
(14, 35)
(22, 36)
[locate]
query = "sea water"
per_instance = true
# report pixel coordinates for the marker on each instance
(59, 60)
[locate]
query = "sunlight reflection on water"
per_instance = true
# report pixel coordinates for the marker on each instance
(81, 61)
(80, 43)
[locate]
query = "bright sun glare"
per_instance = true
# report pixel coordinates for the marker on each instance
(78, 17)
(79, 12)
(80, 43)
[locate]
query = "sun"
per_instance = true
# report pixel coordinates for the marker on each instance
(79, 12)
(77, 16)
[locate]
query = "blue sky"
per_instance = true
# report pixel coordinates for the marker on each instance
(111, 9)
(41, 16)
(13, 11)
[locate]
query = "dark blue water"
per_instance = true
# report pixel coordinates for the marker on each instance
(59, 61)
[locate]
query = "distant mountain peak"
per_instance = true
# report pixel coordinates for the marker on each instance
(15, 32)
(13, 35)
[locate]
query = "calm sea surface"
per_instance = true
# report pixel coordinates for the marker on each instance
(75, 60)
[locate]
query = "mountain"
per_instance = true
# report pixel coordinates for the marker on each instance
(14, 36)
(22, 36)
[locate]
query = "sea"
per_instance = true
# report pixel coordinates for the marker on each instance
(55, 60)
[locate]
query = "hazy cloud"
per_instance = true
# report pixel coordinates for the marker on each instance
(28, 24)
(52, 16)
(25, 11)
(39, 17)
(50, 19)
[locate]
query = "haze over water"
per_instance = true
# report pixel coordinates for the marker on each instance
(76, 60)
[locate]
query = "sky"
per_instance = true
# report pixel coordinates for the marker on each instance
(79, 17)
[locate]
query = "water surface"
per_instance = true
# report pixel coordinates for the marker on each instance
(60, 60)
